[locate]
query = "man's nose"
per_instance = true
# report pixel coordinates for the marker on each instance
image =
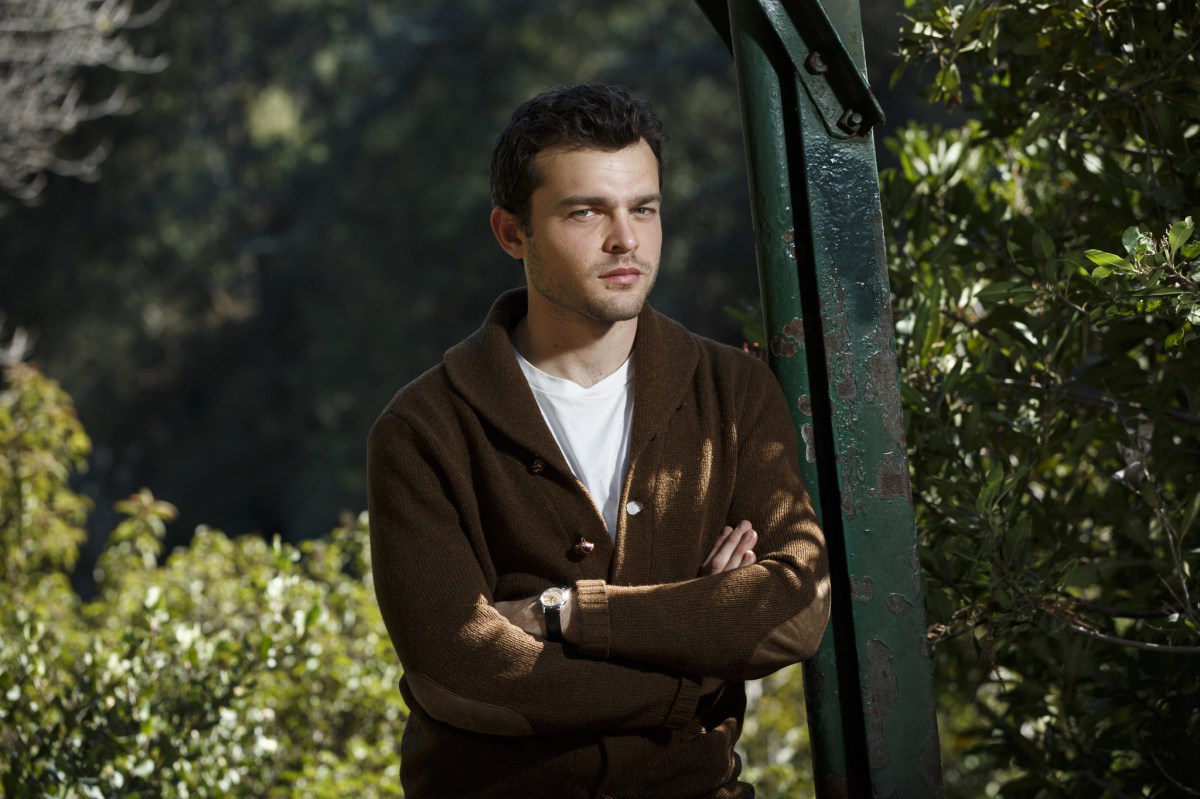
(622, 238)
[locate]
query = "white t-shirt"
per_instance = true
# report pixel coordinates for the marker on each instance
(591, 426)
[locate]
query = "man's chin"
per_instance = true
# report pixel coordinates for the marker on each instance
(620, 312)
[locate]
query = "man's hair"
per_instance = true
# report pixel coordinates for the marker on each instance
(591, 116)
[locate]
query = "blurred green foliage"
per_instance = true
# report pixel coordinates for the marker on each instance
(283, 237)
(294, 225)
(231, 667)
(234, 667)
(1051, 390)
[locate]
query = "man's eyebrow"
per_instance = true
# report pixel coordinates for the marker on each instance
(609, 202)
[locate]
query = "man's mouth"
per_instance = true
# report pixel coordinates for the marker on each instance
(622, 275)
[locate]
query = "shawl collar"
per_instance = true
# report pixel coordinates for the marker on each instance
(484, 372)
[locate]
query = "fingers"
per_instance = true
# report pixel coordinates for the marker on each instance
(731, 550)
(521, 613)
(744, 547)
(721, 539)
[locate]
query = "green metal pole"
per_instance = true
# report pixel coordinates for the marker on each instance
(815, 204)
(773, 216)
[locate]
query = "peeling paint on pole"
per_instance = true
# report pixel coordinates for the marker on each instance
(881, 693)
(819, 243)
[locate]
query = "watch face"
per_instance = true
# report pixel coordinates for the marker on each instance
(553, 598)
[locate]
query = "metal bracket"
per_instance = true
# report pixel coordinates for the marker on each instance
(823, 65)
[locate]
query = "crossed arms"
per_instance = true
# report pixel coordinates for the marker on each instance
(641, 655)
(733, 549)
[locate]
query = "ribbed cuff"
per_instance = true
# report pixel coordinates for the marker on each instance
(591, 603)
(684, 707)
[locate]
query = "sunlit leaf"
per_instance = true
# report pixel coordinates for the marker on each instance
(1107, 259)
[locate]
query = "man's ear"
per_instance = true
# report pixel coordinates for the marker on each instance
(507, 231)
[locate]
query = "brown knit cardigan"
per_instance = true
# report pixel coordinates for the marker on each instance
(471, 502)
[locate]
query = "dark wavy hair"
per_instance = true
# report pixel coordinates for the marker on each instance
(591, 116)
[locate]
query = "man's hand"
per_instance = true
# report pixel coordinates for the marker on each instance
(734, 549)
(528, 615)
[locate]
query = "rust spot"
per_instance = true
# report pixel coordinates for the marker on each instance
(835, 341)
(836, 337)
(847, 388)
(805, 404)
(795, 329)
(898, 604)
(862, 590)
(848, 509)
(789, 341)
(789, 239)
(835, 786)
(783, 347)
(929, 761)
(880, 693)
(884, 334)
(891, 480)
(814, 679)
(883, 386)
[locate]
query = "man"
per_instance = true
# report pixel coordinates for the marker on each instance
(561, 510)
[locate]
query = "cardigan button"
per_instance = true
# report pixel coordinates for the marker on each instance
(537, 466)
(633, 508)
(584, 547)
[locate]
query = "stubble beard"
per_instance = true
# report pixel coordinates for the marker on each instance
(617, 305)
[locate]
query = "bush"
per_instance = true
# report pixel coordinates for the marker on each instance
(234, 667)
(1048, 296)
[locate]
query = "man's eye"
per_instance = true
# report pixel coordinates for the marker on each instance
(645, 211)
(583, 213)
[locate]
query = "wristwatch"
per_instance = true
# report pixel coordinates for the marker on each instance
(552, 600)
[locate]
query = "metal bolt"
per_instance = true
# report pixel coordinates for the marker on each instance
(851, 121)
(815, 64)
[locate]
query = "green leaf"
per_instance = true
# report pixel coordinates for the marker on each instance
(997, 291)
(1131, 238)
(1102, 258)
(949, 80)
(1043, 245)
(991, 488)
(1189, 517)
(1179, 234)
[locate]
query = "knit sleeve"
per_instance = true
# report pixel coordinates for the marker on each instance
(740, 624)
(465, 663)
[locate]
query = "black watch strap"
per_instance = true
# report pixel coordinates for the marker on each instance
(553, 625)
(552, 601)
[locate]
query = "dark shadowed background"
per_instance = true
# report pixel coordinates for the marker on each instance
(293, 223)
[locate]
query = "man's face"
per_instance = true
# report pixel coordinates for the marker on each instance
(595, 234)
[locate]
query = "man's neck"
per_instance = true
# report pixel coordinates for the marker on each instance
(582, 351)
